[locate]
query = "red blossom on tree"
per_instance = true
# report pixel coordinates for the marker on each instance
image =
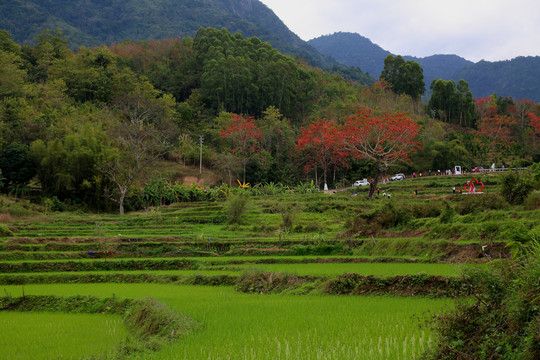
(322, 146)
(384, 139)
(496, 129)
(245, 136)
(382, 85)
(523, 108)
(485, 107)
(534, 122)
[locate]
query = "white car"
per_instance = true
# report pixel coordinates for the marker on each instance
(397, 177)
(362, 182)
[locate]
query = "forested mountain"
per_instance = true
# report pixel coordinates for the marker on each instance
(517, 78)
(354, 50)
(98, 22)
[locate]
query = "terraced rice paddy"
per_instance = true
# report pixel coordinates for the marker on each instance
(278, 326)
(295, 293)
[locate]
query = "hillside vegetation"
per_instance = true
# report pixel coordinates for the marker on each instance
(92, 23)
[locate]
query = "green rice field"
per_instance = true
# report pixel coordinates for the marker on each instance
(247, 326)
(377, 269)
(42, 335)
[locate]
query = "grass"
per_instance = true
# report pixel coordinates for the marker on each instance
(237, 326)
(322, 269)
(58, 336)
(137, 272)
(377, 269)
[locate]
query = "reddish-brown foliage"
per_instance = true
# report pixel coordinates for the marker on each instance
(385, 139)
(485, 107)
(322, 145)
(496, 129)
(245, 137)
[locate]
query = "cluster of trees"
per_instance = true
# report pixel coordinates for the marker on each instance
(452, 103)
(381, 138)
(404, 77)
(86, 124)
(493, 128)
(67, 118)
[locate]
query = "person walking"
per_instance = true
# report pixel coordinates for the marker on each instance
(454, 190)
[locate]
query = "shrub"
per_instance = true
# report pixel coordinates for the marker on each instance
(532, 202)
(236, 207)
(5, 217)
(392, 216)
(515, 187)
(428, 209)
(149, 319)
(535, 172)
(503, 320)
(343, 284)
(489, 231)
(480, 203)
(4, 231)
(264, 283)
(310, 227)
(57, 205)
(388, 217)
(448, 214)
(288, 214)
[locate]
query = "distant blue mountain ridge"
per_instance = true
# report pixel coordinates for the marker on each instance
(518, 78)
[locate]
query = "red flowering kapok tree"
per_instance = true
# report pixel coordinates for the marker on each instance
(485, 106)
(245, 137)
(495, 129)
(385, 139)
(322, 146)
(534, 122)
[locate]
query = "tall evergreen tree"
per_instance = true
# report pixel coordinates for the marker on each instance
(404, 77)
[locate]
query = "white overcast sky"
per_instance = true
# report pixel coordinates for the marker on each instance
(474, 29)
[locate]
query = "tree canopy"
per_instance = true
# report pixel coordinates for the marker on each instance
(404, 77)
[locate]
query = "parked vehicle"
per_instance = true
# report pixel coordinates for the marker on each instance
(478, 169)
(397, 177)
(362, 182)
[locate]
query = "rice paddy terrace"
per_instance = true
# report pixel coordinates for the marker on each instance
(305, 276)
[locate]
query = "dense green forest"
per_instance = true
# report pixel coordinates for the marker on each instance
(519, 77)
(97, 22)
(354, 50)
(85, 126)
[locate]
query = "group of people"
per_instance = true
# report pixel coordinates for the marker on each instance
(439, 173)
(384, 194)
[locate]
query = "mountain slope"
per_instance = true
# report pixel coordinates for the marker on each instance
(518, 78)
(355, 50)
(352, 49)
(96, 22)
